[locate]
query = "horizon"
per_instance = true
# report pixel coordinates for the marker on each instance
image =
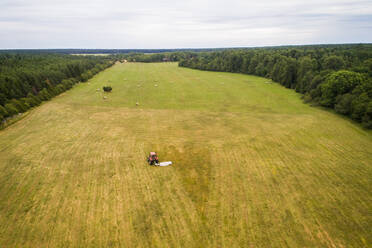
(192, 48)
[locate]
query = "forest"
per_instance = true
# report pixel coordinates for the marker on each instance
(28, 79)
(333, 76)
(154, 57)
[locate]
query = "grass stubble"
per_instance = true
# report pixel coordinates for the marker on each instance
(253, 166)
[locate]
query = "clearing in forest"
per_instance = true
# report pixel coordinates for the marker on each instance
(253, 166)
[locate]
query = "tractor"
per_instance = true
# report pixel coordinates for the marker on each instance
(153, 159)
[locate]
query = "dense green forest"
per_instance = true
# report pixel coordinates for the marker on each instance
(334, 76)
(28, 79)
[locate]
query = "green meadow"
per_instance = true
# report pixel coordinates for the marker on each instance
(253, 166)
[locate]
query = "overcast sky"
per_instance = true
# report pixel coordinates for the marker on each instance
(181, 24)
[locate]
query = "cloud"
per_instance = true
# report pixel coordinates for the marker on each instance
(175, 24)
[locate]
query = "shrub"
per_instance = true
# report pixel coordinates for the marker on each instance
(343, 104)
(74, 81)
(67, 83)
(2, 99)
(367, 118)
(107, 88)
(86, 76)
(59, 89)
(11, 109)
(307, 98)
(21, 107)
(3, 112)
(34, 100)
(30, 102)
(25, 103)
(339, 83)
(53, 91)
(359, 106)
(44, 95)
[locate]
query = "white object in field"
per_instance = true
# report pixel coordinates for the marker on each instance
(156, 85)
(165, 163)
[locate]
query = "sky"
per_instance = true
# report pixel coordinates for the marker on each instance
(151, 24)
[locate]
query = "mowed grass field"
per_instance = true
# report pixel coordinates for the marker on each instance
(253, 166)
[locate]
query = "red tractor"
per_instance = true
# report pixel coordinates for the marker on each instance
(153, 159)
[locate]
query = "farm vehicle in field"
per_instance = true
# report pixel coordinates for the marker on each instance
(153, 159)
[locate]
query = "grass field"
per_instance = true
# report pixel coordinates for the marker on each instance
(253, 166)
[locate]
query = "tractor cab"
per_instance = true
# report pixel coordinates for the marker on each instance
(153, 158)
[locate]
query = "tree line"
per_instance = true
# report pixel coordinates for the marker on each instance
(334, 76)
(105, 51)
(152, 57)
(28, 79)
